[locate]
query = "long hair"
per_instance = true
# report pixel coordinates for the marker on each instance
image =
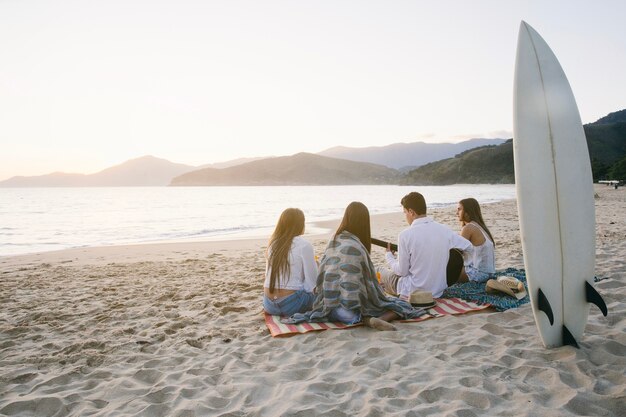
(356, 220)
(471, 208)
(290, 224)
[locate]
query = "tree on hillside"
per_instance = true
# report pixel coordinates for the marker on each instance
(618, 170)
(599, 169)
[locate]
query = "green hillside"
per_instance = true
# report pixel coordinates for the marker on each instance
(298, 169)
(607, 145)
(615, 117)
(484, 165)
(606, 140)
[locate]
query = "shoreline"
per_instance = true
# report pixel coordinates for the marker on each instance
(177, 249)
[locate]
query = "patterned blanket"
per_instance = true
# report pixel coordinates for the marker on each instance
(444, 307)
(475, 292)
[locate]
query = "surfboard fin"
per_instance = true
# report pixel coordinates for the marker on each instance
(544, 305)
(594, 297)
(568, 339)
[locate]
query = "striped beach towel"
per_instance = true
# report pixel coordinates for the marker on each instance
(444, 307)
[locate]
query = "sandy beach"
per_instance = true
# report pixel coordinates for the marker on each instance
(177, 330)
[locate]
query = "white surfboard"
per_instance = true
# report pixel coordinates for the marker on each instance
(555, 195)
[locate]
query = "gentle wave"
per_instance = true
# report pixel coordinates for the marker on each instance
(208, 232)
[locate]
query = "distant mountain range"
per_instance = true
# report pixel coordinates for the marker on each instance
(144, 171)
(406, 156)
(490, 163)
(151, 171)
(298, 169)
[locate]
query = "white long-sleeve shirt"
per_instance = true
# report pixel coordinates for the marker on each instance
(303, 268)
(423, 253)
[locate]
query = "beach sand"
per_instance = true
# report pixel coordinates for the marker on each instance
(177, 330)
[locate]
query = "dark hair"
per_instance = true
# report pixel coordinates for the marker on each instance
(356, 220)
(471, 208)
(414, 201)
(290, 224)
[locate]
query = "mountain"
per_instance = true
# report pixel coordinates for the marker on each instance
(405, 156)
(615, 117)
(144, 171)
(485, 165)
(232, 162)
(473, 161)
(298, 169)
(56, 179)
(606, 140)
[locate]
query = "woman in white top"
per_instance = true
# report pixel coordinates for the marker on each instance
(480, 262)
(291, 270)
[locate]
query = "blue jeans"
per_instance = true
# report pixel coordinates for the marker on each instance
(298, 302)
(344, 316)
(476, 275)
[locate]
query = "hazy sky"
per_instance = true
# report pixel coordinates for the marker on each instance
(88, 84)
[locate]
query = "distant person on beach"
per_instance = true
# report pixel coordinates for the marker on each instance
(347, 288)
(429, 254)
(479, 264)
(291, 270)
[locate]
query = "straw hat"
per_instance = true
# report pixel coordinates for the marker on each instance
(507, 285)
(422, 299)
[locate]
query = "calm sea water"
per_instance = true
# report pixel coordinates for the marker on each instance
(45, 219)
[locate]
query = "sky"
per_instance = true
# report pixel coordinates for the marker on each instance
(88, 84)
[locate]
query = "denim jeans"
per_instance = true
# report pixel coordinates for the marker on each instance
(476, 275)
(344, 316)
(298, 302)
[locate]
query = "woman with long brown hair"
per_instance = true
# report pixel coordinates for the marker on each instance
(479, 264)
(291, 270)
(347, 289)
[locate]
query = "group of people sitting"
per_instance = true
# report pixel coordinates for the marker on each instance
(346, 287)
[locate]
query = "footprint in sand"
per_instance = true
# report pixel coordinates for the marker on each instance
(195, 343)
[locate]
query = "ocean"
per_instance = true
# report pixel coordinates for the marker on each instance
(46, 219)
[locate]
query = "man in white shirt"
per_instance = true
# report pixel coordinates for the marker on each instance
(423, 253)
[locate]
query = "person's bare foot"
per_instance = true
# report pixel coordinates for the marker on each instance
(378, 324)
